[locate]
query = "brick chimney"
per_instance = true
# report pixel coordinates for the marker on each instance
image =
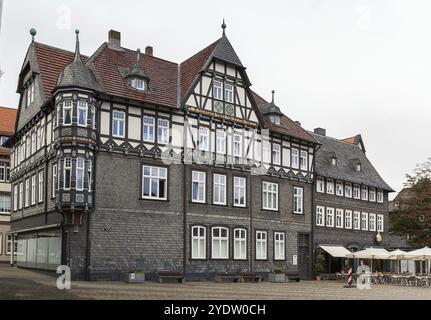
(114, 39)
(149, 50)
(320, 131)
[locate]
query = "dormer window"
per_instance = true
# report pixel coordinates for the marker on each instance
(275, 120)
(138, 84)
(358, 167)
(334, 161)
(30, 94)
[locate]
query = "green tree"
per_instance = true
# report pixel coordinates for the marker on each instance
(412, 215)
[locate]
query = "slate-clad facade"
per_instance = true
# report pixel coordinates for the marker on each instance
(123, 161)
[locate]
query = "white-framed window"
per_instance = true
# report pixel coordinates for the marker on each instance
(330, 217)
(21, 195)
(33, 142)
(57, 116)
(54, 180)
(266, 151)
(356, 191)
(275, 119)
(138, 84)
(372, 223)
(163, 131)
(261, 245)
(67, 173)
(67, 112)
(220, 141)
(339, 218)
(220, 243)
(217, 90)
(15, 197)
(148, 127)
(320, 216)
(380, 225)
(239, 244)
(154, 182)
(237, 145)
(279, 246)
(348, 219)
(348, 190)
(33, 190)
(364, 221)
(118, 118)
(372, 194)
(219, 186)
(320, 186)
(82, 113)
(270, 196)
(339, 188)
(80, 169)
(198, 186)
(380, 196)
(27, 193)
(358, 167)
(2, 172)
(198, 242)
(239, 191)
(30, 94)
(298, 200)
(228, 93)
(304, 160)
(276, 154)
(4, 203)
(93, 117)
(356, 220)
(90, 175)
(38, 138)
(295, 158)
(329, 186)
(364, 193)
(334, 161)
(40, 187)
(203, 138)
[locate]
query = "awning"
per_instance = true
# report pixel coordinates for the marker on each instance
(336, 251)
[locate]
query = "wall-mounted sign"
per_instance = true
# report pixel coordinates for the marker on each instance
(295, 260)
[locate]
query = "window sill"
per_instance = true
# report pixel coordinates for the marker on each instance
(298, 213)
(154, 199)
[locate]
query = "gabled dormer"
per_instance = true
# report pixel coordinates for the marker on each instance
(136, 77)
(272, 112)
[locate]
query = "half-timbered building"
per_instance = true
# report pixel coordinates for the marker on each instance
(123, 161)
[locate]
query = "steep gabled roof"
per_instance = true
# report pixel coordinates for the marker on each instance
(287, 126)
(347, 155)
(7, 121)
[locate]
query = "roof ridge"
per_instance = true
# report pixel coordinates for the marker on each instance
(59, 49)
(148, 55)
(200, 51)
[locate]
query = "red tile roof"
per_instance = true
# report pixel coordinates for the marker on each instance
(193, 65)
(51, 63)
(163, 75)
(7, 120)
(349, 140)
(288, 127)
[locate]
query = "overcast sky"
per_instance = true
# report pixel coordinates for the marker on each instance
(347, 66)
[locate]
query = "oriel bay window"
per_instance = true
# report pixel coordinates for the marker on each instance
(82, 113)
(154, 183)
(198, 186)
(67, 173)
(298, 200)
(220, 243)
(118, 119)
(219, 189)
(240, 244)
(198, 242)
(261, 245)
(269, 196)
(67, 113)
(149, 123)
(239, 191)
(279, 246)
(80, 168)
(163, 131)
(54, 180)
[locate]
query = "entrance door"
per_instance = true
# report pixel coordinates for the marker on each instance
(304, 255)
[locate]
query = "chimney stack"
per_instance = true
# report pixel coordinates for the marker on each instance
(149, 50)
(320, 131)
(114, 39)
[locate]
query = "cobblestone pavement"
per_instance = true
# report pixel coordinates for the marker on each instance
(27, 284)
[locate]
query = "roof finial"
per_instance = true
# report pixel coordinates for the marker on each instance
(273, 93)
(33, 32)
(77, 53)
(223, 26)
(138, 56)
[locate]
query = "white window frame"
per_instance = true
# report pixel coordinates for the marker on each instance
(82, 106)
(269, 191)
(67, 169)
(266, 151)
(40, 187)
(295, 158)
(54, 180)
(364, 221)
(27, 193)
(237, 145)
(298, 200)
(2, 172)
(330, 186)
(89, 174)
(380, 223)
(156, 174)
(356, 221)
(218, 89)
(197, 182)
(372, 194)
(372, 222)
(239, 189)
(138, 84)
(239, 244)
(201, 242)
(222, 240)
(380, 196)
(148, 127)
(348, 216)
(320, 185)
(330, 217)
(320, 216)
(220, 141)
(80, 174)
(228, 92)
(279, 246)
(33, 142)
(364, 193)
(348, 190)
(276, 153)
(15, 197)
(67, 105)
(339, 188)
(203, 138)
(219, 189)
(21, 195)
(303, 160)
(262, 244)
(339, 218)
(119, 123)
(5, 203)
(33, 189)
(357, 191)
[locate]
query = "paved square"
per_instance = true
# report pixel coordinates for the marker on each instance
(27, 284)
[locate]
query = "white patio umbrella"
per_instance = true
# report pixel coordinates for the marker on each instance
(371, 253)
(423, 254)
(397, 255)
